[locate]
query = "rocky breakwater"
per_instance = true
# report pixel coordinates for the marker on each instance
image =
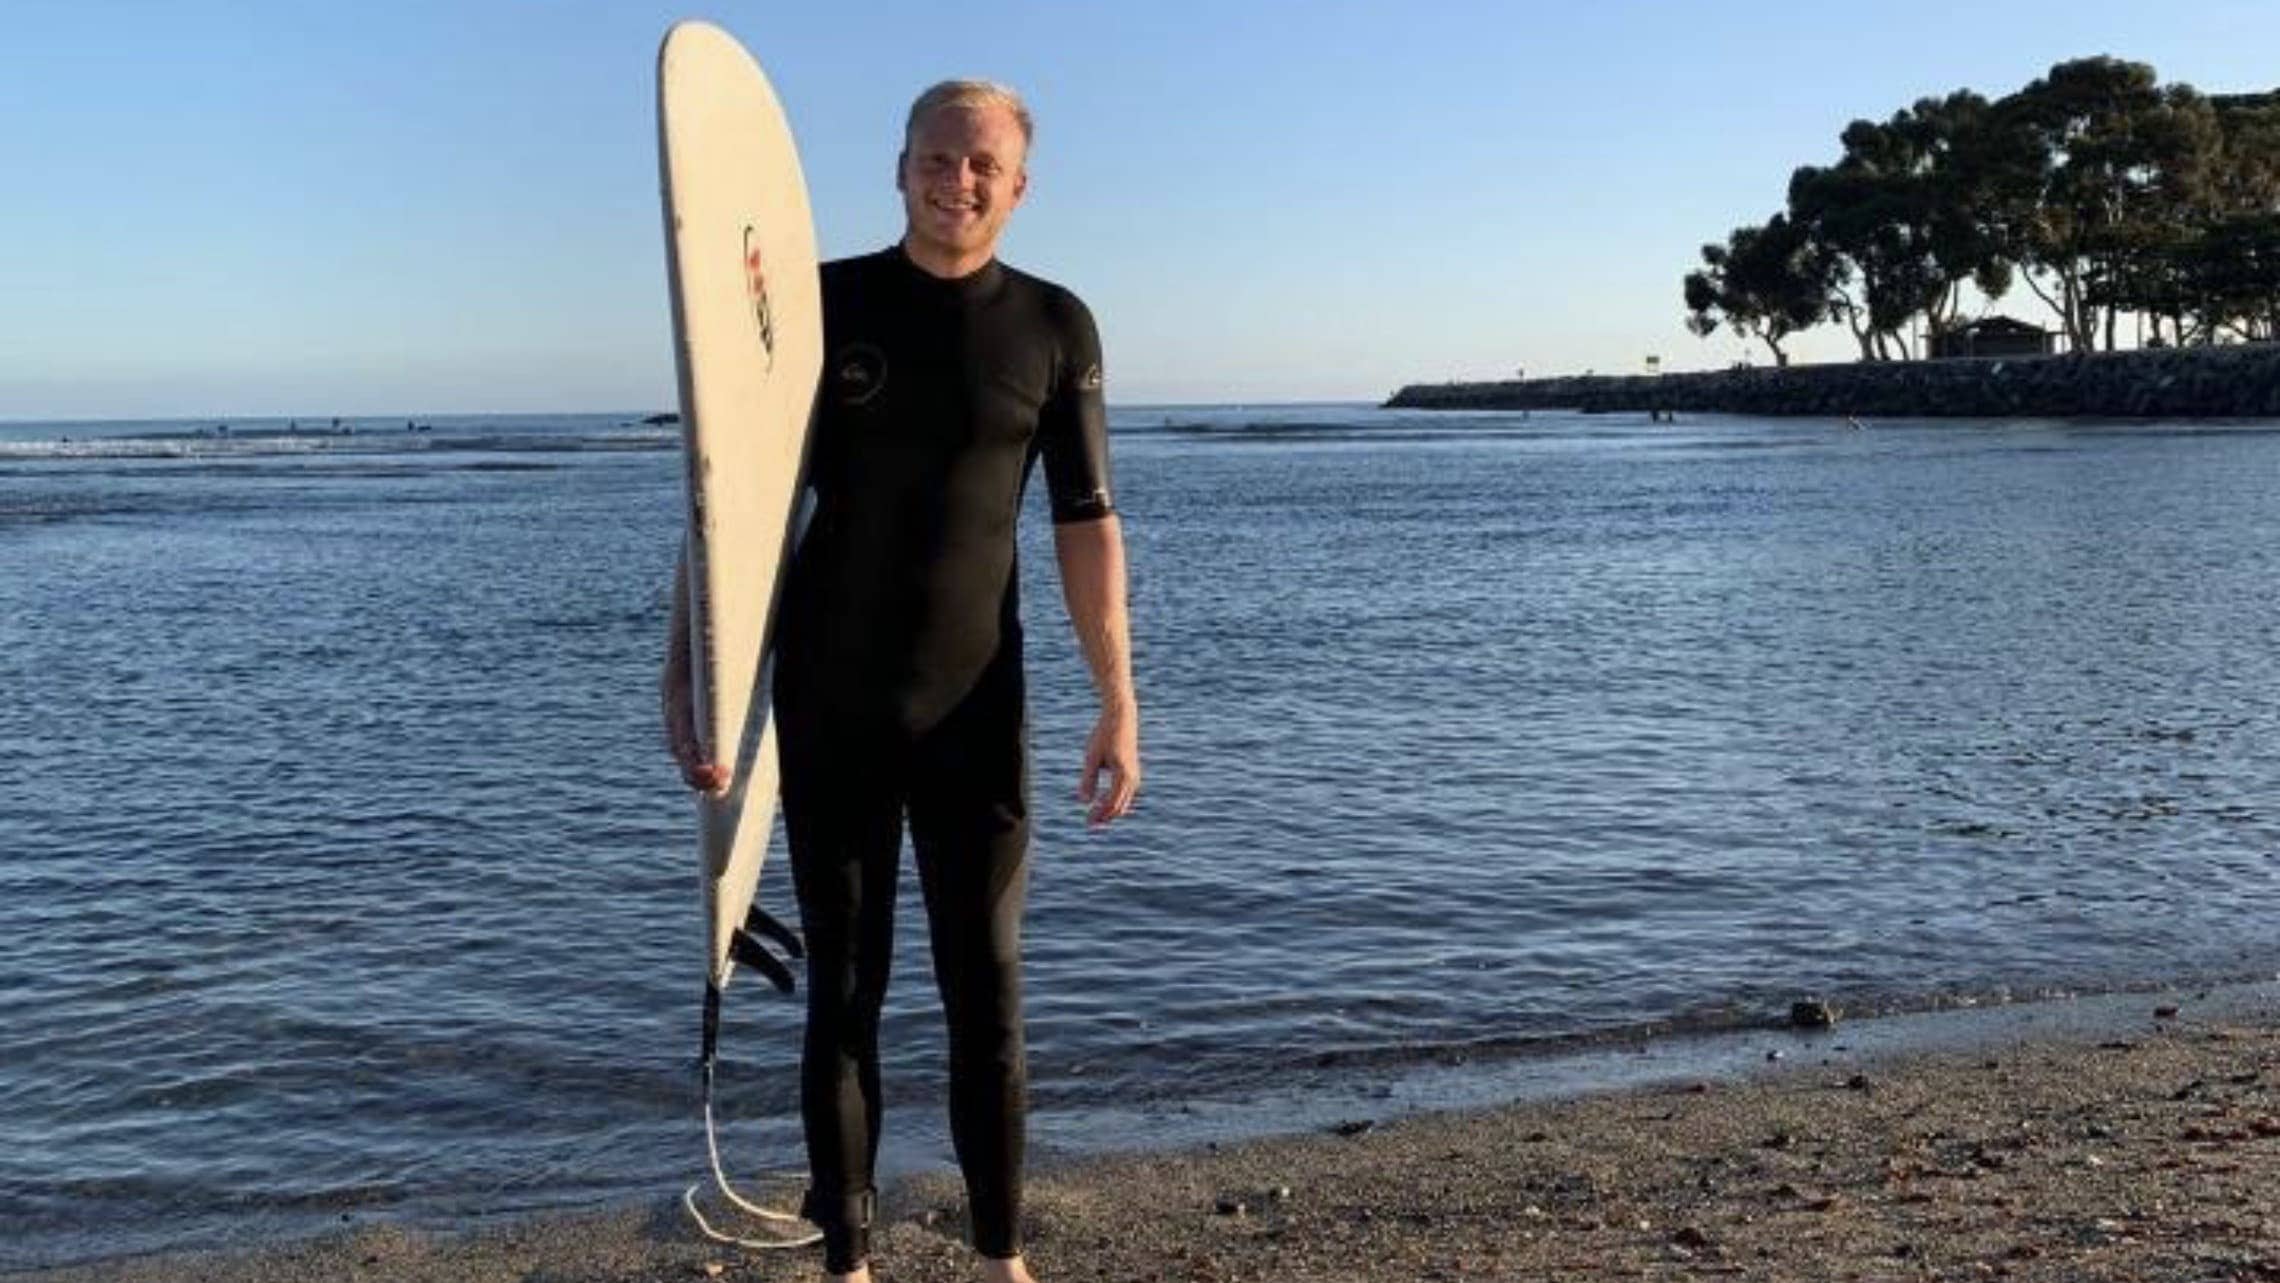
(2201, 382)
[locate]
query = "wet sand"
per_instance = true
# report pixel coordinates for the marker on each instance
(2147, 1150)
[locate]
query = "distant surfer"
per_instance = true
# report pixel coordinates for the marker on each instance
(898, 683)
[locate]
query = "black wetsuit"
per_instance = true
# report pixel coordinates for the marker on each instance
(899, 689)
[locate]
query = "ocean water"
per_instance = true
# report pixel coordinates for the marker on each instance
(342, 872)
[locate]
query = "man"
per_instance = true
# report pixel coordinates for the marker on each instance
(898, 686)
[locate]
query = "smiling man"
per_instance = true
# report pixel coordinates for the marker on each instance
(899, 689)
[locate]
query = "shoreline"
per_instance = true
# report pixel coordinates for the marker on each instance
(2238, 381)
(2084, 1138)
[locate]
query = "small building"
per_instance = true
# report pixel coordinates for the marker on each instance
(1992, 336)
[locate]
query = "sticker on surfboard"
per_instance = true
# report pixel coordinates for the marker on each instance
(756, 288)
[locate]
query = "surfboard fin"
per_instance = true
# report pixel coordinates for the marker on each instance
(748, 951)
(761, 922)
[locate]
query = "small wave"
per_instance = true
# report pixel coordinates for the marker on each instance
(266, 445)
(1283, 433)
(159, 447)
(44, 510)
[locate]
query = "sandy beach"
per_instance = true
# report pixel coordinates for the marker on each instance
(2144, 1150)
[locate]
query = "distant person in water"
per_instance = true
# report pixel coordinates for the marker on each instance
(899, 689)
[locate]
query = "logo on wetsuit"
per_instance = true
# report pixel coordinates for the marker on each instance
(756, 288)
(858, 373)
(1091, 381)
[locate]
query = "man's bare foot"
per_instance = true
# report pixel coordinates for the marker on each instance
(862, 1274)
(1009, 1270)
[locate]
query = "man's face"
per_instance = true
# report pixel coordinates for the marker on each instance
(961, 176)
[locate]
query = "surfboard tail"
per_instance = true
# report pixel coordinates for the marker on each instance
(734, 835)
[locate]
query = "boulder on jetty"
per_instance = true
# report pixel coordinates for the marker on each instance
(2239, 381)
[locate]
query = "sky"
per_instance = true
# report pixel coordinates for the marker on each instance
(244, 209)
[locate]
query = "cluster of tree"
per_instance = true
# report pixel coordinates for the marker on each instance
(2098, 188)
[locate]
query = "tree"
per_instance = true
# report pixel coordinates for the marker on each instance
(2121, 162)
(1960, 166)
(1764, 282)
(2244, 175)
(1869, 223)
(2232, 271)
(2103, 190)
(1896, 215)
(2229, 268)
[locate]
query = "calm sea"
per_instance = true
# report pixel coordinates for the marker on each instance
(342, 871)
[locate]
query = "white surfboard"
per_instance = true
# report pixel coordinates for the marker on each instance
(748, 339)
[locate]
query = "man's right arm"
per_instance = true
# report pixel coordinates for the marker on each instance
(679, 706)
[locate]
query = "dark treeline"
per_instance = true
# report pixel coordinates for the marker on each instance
(2099, 189)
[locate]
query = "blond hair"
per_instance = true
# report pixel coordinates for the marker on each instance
(969, 93)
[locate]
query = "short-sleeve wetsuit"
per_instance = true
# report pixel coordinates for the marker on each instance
(898, 689)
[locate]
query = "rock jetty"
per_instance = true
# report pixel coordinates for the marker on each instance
(2201, 382)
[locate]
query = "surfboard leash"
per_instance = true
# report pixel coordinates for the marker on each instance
(747, 950)
(736, 1200)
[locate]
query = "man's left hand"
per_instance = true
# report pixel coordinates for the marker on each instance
(1114, 750)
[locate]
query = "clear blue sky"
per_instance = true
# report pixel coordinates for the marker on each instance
(238, 208)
